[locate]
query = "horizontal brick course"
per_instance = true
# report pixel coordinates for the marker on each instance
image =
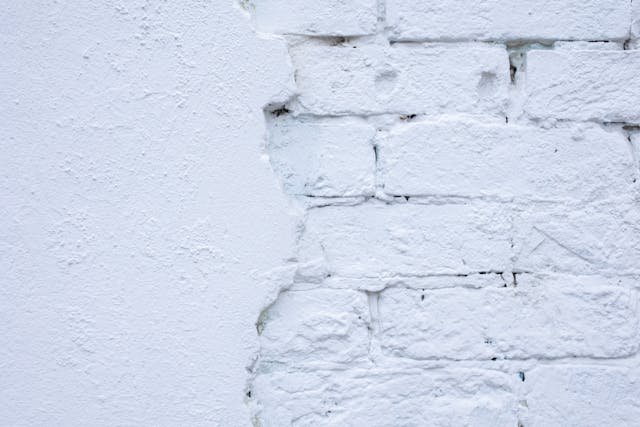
(316, 326)
(374, 239)
(587, 239)
(323, 157)
(408, 79)
(508, 20)
(583, 85)
(527, 321)
(583, 395)
(470, 159)
(384, 397)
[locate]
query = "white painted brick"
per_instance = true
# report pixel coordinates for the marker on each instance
(583, 85)
(601, 238)
(543, 317)
(634, 138)
(316, 325)
(408, 79)
(318, 18)
(393, 301)
(635, 19)
(584, 395)
(331, 157)
(571, 163)
(375, 239)
(385, 397)
(508, 19)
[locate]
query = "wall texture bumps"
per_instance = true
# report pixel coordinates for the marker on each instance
(131, 179)
(470, 249)
(319, 212)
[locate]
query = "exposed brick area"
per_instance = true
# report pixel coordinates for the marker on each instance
(470, 247)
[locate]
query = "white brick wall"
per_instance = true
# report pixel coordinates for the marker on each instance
(387, 397)
(635, 20)
(470, 245)
(568, 163)
(323, 157)
(596, 395)
(404, 78)
(508, 19)
(317, 326)
(583, 85)
(466, 324)
(375, 239)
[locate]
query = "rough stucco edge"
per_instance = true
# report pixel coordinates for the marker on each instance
(277, 280)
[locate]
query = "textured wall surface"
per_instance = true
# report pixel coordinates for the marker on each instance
(470, 249)
(138, 211)
(320, 213)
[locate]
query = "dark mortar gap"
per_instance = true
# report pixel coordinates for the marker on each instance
(521, 375)
(279, 111)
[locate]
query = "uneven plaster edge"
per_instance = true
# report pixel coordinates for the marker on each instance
(279, 279)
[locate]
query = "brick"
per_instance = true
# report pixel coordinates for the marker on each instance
(583, 85)
(316, 325)
(543, 317)
(635, 19)
(331, 157)
(385, 397)
(586, 396)
(405, 79)
(374, 239)
(634, 138)
(599, 238)
(316, 18)
(570, 163)
(508, 20)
